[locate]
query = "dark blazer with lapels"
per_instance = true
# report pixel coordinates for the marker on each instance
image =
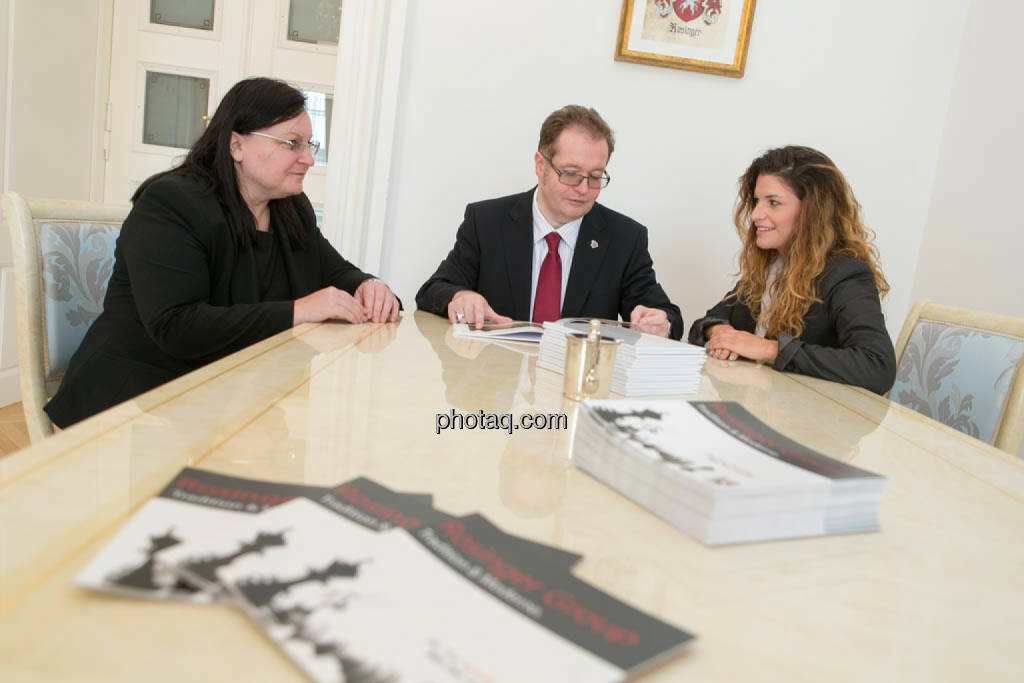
(183, 294)
(611, 269)
(844, 337)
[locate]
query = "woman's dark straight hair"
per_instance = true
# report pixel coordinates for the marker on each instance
(252, 104)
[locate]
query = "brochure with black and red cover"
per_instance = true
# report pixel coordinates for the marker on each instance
(375, 506)
(185, 508)
(196, 502)
(720, 474)
(365, 503)
(622, 636)
(449, 601)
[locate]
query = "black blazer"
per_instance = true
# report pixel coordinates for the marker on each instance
(493, 255)
(844, 337)
(182, 295)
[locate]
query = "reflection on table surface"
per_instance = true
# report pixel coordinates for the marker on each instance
(937, 595)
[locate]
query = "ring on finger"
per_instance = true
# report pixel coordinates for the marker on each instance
(459, 316)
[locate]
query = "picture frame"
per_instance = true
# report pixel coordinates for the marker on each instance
(709, 36)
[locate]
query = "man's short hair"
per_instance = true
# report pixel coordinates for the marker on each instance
(573, 115)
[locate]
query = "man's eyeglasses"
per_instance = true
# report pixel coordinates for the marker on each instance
(572, 178)
(296, 146)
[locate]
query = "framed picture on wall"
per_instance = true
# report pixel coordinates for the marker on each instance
(697, 35)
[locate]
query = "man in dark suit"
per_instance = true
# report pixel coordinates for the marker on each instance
(554, 252)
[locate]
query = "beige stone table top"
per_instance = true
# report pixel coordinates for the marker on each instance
(937, 595)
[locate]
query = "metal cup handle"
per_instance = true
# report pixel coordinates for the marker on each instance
(593, 358)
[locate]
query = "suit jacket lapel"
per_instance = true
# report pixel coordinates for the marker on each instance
(517, 236)
(590, 251)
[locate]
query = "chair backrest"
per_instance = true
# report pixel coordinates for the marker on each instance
(965, 369)
(63, 255)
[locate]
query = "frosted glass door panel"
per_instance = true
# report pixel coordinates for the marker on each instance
(174, 109)
(314, 21)
(186, 13)
(319, 105)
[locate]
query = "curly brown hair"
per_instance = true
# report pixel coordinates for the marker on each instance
(829, 223)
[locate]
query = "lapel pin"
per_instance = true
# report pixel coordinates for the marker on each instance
(593, 244)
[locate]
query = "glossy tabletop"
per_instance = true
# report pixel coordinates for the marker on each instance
(937, 595)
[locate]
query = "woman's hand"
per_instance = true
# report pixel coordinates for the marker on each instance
(728, 343)
(377, 299)
(326, 304)
(711, 330)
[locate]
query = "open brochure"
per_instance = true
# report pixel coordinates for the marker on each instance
(522, 331)
(516, 331)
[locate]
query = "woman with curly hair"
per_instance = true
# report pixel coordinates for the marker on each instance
(807, 299)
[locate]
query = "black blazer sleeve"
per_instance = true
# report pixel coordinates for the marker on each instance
(864, 354)
(459, 270)
(725, 312)
(168, 247)
(335, 269)
(640, 287)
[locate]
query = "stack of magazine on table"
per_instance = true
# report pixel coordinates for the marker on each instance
(645, 365)
(721, 475)
(360, 582)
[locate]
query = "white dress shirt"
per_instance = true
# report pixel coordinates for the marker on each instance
(566, 246)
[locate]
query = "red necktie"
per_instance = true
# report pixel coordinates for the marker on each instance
(547, 303)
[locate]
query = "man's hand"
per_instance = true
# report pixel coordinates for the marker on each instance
(377, 299)
(728, 343)
(327, 303)
(471, 308)
(650, 320)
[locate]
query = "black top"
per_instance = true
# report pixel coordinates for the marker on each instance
(844, 337)
(611, 271)
(273, 279)
(182, 295)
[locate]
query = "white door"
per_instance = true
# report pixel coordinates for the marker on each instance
(173, 60)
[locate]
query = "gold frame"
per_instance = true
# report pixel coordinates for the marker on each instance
(733, 70)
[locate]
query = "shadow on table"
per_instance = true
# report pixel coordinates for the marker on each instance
(479, 375)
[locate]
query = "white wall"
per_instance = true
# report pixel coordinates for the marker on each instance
(870, 88)
(5, 27)
(8, 350)
(50, 64)
(973, 247)
(53, 59)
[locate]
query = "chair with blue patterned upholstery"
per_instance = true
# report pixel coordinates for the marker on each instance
(63, 255)
(965, 369)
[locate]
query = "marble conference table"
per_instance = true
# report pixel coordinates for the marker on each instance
(937, 595)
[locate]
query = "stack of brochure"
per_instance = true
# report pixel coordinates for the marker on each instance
(359, 582)
(645, 365)
(721, 475)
